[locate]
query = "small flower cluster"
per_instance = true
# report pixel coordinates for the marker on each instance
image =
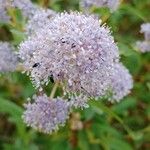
(79, 53)
(46, 114)
(26, 6)
(41, 18)
(3, 12)
(111, 4)
(121, 82)
(144, 46)
(8, 60)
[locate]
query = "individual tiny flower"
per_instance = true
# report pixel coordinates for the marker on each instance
(3, 12)
(145, 28)
(8, 60)
(46, 114)
(73, 48)
(143, 46)
(26, 6)
(121, 82)
(111, 4)
(41, 18)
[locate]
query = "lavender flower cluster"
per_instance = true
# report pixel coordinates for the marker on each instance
(111, 4)
(4, 17)
(71, 49)
(26, 6)
(144, 46)
(45, 114)
(121, 82)
(40, 19)
(8, 61)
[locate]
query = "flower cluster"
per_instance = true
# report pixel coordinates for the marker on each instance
(77, 52)
(111, 4)
(41, 18)
(74, 51)
(8, 61)
(46, 114)
(3, 12)
(144, 46)
(26, 6)
(121, 82)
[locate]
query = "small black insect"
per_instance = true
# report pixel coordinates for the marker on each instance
(63, 40)
(51, 78)
(73, 45)
(35, 65)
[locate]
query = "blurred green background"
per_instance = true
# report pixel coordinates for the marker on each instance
(103, 126)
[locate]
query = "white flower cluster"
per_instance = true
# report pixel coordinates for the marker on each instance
(111, 4)
(8, 60)
(144, 46)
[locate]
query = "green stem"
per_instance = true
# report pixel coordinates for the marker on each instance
(54, 90)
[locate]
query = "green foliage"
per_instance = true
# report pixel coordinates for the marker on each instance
(124, 125)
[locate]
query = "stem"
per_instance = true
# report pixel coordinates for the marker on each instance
(46, 3)
(54, 90)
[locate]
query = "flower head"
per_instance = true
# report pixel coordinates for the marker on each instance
(26, 6)
(8, 60)
(145, 28)
(41, 18)
(3, 12)
(121, 82)
(45, 114)
(73, 48)
(144, 46)
(111, 4)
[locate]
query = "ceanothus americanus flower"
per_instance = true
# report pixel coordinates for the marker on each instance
(144, 46)
(4, 17)
(45, 114)
(73, 48)
(121, 82)
(111, 4)
(8, 60)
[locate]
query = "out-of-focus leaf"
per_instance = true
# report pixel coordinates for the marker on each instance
(18, 36)
(10, 108)
(117, 144)
(83, 141)
(124, 105)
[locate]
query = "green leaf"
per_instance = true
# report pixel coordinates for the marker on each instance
(83, 141)
(117, 144)
(6, 106)
(18, 36)
(124, 105)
